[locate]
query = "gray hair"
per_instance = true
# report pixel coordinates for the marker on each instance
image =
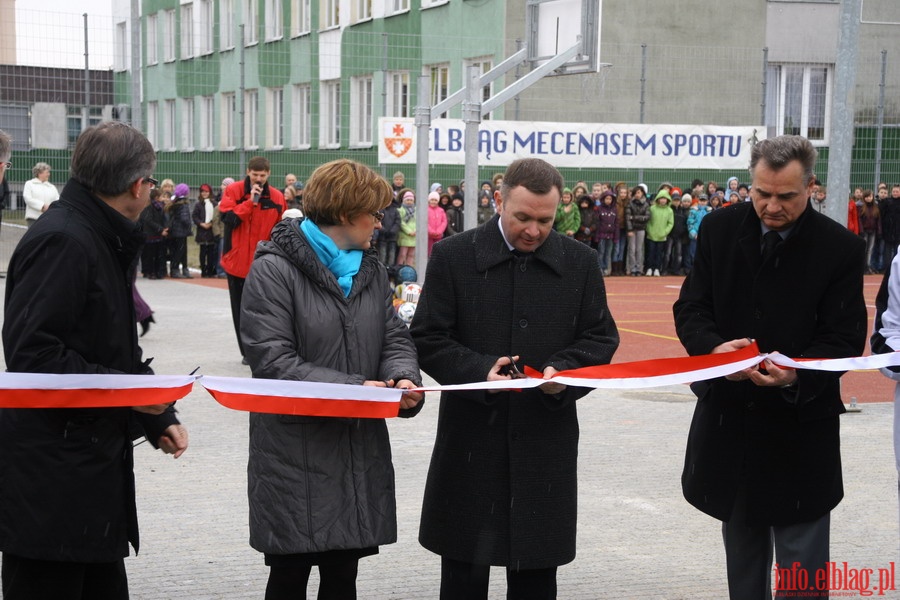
(777, 152)
(5, 146)
(39, 168)
(110, 157)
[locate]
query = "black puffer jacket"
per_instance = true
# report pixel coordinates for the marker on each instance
(66, 479)
(318, 483)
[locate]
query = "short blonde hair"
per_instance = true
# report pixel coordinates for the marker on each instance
(39, 168)
(343, 188)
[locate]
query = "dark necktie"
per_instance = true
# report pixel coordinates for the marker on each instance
(770, 241)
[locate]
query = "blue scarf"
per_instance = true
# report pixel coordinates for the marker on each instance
(344, 264)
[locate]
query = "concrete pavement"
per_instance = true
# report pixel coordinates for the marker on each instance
(637, 537)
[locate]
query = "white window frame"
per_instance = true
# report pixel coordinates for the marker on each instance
(362, 10)
(169, 125)
(226, 25)
(187, 31)
(300, 17)
(251, 22)
(399, 101)
(330, 114)
(301, 116)
(274, 20)
(330, 13)
(228, 113)
(777, 101)
(433, 3)
(187, 124)
(206, 18)
(207, 116)
(168, 35)
(361, 111)
(121, 46)
(251, 119)
(398, 6)
(275, 118)
(152, 39)
(438, 83)
(152, 121)
(484, 64)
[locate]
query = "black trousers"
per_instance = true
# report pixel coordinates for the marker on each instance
(465, 581)
(235, 293)
(30, 579)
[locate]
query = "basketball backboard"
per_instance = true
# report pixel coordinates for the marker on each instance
(554, 26)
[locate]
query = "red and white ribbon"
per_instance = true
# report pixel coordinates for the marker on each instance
(36, 390)
(42, 390)
(307, 398)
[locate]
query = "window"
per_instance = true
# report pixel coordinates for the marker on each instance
(152, 120)
(207, 110)
(226, 24)
(251, 117)
(187, 30)
(152, 56)
(430, 3)
(275, 118)
(330, 117)
(799, 100)
(483, 65)
(168, 132)
(274, 27)
(76, 121)
(251, 22)
(301, 128)
(362, 10)
(168, 35)
(229, 116)
(331, 14)
(206, 9)
(187, 124)
(398, 99)
(121, 46)
(300, 19)
(399, 5)
(361, 111)
(440, 84)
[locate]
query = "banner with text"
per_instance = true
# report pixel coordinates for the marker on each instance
(579, 145)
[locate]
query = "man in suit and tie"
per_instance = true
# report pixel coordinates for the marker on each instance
(763, 452)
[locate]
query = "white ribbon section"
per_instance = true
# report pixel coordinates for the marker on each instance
(858, 363)
(81, 381)
(301, 389)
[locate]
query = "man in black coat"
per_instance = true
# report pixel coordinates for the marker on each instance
(501, 488)
(763, 452)
(67, 505)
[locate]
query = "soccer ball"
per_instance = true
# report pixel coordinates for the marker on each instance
(407, 273)
(406, 311)
(411, 292)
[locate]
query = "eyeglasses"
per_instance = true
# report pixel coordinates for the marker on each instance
(379, 215)
(153, 182)
(8, 165)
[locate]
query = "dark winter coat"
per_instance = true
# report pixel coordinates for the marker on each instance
(319, 483)
(637, 213)
(455, 222)
(178, 219)
(390, 224)
(805, 301)
(153, 220)
(501, 488)
(588, 228)
(67, 490)
(198, 216)
(607, 223)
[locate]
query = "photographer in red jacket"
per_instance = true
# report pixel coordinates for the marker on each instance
(250, 208)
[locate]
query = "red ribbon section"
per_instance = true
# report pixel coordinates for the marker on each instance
(312, 407)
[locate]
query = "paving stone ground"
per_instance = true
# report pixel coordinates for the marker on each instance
(637, 537)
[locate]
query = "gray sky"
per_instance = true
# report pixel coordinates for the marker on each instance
(50, 33)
